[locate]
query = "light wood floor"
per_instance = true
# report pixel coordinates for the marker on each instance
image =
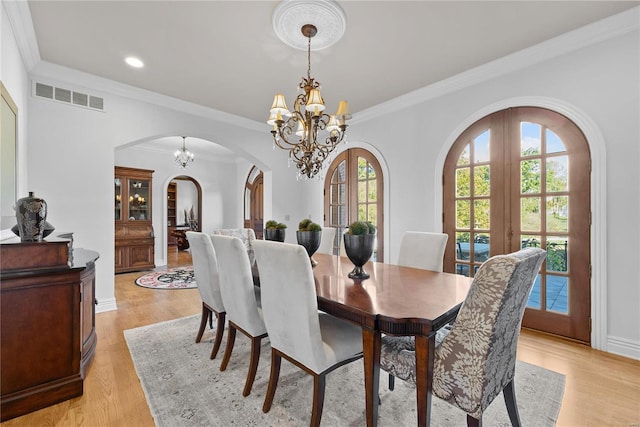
(601, 389)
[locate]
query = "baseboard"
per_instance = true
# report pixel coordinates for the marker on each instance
(106, 305)
(623, 347)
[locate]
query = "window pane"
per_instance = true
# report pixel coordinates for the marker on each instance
(464, 156)
(530, 215)
(534, 296)
(342, 190)
(557, 174)
(342, 216)
(481, 148)
(463, 214)
(362, 168)
(362, 212)
(530, 241)
(481, 214)
(558, 214)
(247, 204)
(557, 291)
(372, 172)
(373, 214)
(557, 253)
(463, 182)
(530, 176)
(481, 247)
(554, 143)
(481, 180)
(362, 191)
(530, 138)
(372, 194)
(339, 175)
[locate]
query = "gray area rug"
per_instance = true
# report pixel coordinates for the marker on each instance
(184, 387)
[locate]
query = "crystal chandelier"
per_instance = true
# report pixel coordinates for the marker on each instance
(307, 132)
(183, 156)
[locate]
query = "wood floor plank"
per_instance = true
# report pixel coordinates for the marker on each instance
(601, 389)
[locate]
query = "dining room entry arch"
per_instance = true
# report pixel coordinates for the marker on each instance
(353, 191)
(521, 177)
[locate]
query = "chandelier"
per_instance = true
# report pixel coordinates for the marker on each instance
(308, 133)
(183, 156)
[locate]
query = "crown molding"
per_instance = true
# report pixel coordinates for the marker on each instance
(605, 29)
(20, 19)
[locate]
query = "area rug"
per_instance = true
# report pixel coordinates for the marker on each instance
(173, 278)
(185, 388)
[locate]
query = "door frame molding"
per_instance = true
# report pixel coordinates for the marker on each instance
(595, 141)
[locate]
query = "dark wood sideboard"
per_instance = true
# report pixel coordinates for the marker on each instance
(47, 322)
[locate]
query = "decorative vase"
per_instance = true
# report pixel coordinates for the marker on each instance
(48, 229)
(359, 248)
(311, 242)
(31, 214)
(275, 234)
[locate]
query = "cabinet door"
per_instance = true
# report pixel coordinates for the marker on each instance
(139, 199)
(120, 260)
(118, 198)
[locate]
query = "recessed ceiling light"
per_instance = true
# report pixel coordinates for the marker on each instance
(134, 62)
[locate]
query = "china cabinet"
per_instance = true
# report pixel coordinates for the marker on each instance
(134, 238)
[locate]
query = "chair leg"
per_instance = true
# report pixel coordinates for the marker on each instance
(473, 422)
(318, 399)
(392, 382)
(509, 393)
(231, 339)
(219, 331)
(206, 315)
(253, 365)
(276, 359)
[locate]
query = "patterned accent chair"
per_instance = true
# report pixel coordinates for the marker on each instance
(476, 360)
(247, 235)
(205, 270)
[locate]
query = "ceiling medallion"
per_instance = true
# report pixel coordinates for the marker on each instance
(325, 15)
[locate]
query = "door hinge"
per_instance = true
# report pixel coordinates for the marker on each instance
(590, 272)
(589, 324)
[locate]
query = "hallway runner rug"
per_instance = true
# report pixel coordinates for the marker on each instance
(184, 387)
(173, 278)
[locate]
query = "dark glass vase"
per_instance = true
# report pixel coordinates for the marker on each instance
(275, 234)
(311, 242)
(359, 249)
(31, 214)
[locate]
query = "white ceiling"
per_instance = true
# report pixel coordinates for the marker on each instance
(225, 54)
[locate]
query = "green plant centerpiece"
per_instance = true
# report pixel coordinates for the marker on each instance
(309, 235)
(358, 244)
(274, 230)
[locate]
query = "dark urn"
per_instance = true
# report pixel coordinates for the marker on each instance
(311, 242)
(31, 215)
(359, 248)
(275, 234)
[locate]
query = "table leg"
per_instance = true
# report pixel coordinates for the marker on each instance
(425, 347)
(371, 356)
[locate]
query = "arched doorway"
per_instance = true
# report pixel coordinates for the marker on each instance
(521, 177)
(184, 209)
(353, 191)
(254, 201)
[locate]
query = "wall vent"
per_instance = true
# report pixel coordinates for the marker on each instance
(67, 96)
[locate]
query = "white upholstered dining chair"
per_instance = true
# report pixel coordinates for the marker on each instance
(314, 341)
(327, 241)
(243, 313)
(205, 270)
(420, 249)
(476, 360)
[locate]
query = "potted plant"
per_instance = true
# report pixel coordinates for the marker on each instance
(358, 244)
(274, 230)
(309, 235)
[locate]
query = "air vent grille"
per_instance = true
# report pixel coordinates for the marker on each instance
(67, 96)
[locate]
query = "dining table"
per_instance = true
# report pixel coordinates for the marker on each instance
(394, 300)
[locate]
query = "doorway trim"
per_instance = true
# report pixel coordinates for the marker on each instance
(595, 141)
(165, 205)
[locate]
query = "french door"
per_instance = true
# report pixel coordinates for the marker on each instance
(517, 178)
(254, 202)
(353, 191)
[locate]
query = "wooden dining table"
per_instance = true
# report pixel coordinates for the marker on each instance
(395, 300)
